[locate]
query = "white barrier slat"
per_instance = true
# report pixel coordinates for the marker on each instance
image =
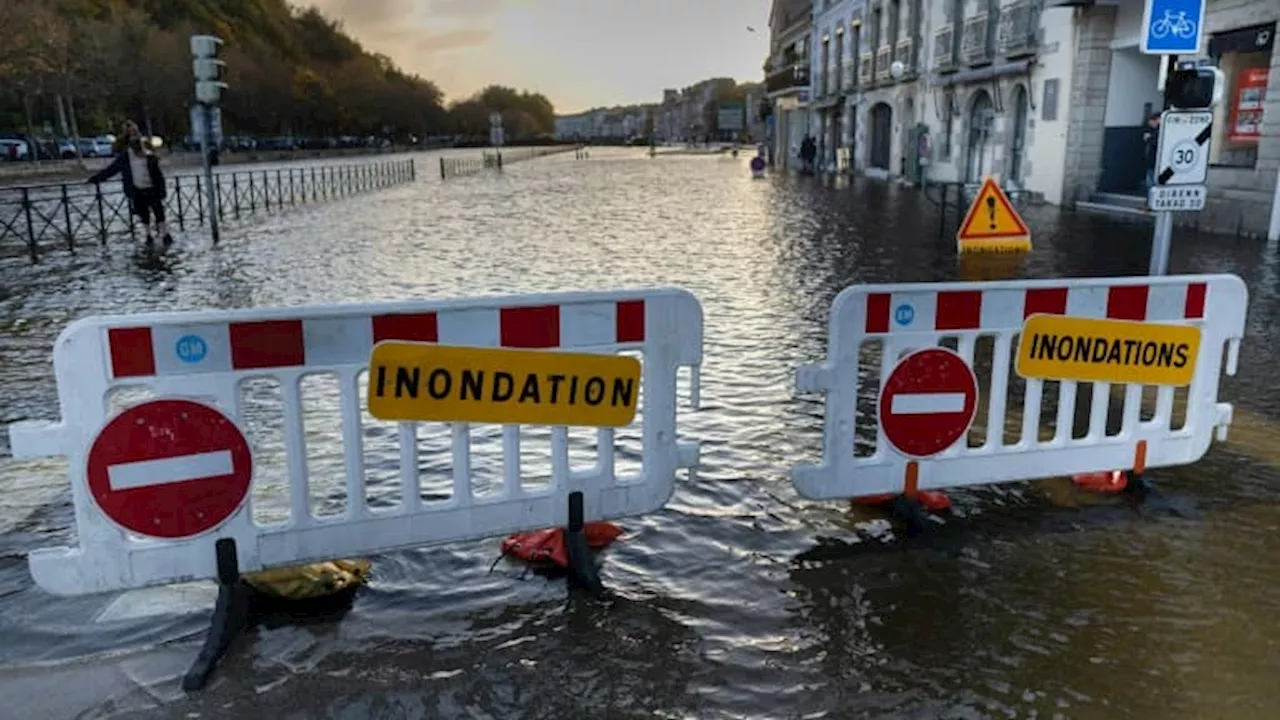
(205, 355)
(909, 317)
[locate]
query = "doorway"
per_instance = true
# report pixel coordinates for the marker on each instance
(881, 135)
(1018, 145)
(982, 118)
(1131, 96)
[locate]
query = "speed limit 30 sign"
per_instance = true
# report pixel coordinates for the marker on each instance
(1182, 156)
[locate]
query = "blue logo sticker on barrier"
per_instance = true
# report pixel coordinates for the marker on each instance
(904, 314)
(191, 348)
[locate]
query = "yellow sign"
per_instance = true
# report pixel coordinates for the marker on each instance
(1054, 347)
(992, 225)
(411, 381)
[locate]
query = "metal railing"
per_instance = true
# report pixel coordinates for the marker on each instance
(67, 213)
(944, 48)
(1019, 26)
(463, 166)
(904, 52)
(976, 47)
(884, 54)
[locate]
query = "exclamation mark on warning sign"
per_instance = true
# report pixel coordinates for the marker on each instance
(991, 211)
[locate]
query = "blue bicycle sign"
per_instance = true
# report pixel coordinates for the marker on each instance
(1172, 27)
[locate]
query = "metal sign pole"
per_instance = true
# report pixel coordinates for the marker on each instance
(1161, 243)
(1162, 235)
(206, 150)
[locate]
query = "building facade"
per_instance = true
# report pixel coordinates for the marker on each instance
(787, 80)
(1115, 87)
(837, 46)
(1048, 96)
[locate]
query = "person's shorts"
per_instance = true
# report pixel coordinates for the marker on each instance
(148, 203)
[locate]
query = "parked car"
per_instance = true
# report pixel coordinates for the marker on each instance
(13, 149)
(96, 147)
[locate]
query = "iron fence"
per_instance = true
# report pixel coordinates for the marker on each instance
(66, 213)
(461, 166)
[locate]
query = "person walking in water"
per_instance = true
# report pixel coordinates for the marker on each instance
(1150, 146)
(139, 171)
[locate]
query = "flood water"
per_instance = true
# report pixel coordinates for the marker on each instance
(737, 600)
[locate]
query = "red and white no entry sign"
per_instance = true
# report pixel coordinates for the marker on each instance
(170, 468)
(928, 402)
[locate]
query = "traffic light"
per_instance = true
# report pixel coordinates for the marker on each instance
(1193, 87)
(207, 68)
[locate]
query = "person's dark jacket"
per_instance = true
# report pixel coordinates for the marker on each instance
(122, 167)
(1151, 142)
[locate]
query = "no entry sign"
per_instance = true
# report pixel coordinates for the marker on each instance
(928, 402)
(170, 468)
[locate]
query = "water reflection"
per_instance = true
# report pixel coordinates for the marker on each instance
(738, 599)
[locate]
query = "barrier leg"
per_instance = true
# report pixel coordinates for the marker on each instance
(582, 567)
(232, 615)
(909, 511)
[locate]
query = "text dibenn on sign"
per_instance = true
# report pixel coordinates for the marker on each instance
(1054, 347)
(436, 383)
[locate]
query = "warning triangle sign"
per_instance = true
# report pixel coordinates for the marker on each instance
(992, 225)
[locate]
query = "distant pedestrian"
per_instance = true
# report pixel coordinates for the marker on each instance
(1151, 143)
(144, 186)
(808, 153)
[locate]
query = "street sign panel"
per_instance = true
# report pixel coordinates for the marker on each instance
(992, 224)
(928, 402)
(169, 468)
(1172, 27)
(197, 123)
(1182, 154)
(1176, 198)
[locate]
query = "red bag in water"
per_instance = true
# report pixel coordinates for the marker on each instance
(548, 546)
(934, 500)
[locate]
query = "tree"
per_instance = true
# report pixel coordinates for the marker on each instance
(289, 70)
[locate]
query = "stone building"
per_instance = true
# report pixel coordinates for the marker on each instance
(1115, 87)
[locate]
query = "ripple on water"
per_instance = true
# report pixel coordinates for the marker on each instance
(739, 599)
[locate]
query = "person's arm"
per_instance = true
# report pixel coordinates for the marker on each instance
(157, 177)
(109, 171)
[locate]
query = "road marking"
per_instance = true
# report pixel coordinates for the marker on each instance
(164, 471)
(927, 403)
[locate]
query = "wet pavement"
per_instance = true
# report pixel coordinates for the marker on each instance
(737, 600)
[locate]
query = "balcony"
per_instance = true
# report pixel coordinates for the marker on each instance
(883, 55)
(1019, 26)
(795, 77)
(866, 64)
(904, 52)
(975, 47)
(944, 49)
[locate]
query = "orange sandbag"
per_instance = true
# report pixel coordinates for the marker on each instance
(934, 500)
(548, 546)
(1113, 481)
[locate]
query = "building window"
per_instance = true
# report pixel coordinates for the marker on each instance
(1244, 57)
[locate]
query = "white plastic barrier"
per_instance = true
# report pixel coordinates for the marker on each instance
(205, 356)
(909, 317)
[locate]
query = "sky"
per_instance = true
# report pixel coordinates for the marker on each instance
(579, 53)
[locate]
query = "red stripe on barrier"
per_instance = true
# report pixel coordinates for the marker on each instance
(878, 312)
(267, 344)
(1127, 302)
(530, 327)
(631, 321)
(958, 310)
(419, 327)
(1195, 301)
(132, 354)
(1045, 301)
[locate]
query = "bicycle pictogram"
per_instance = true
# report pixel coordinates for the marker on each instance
(1175, 23)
